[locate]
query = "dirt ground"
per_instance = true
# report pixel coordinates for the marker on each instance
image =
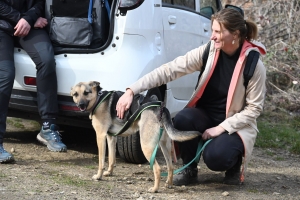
(41, 174)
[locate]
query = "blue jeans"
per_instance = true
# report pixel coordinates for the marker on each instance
(221, 154)
(39, 48)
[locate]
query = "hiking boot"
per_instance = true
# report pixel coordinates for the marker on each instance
(5, 157)
(51, 138)
(232, 175)
(186, 177)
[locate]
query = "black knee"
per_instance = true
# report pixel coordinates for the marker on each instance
(45, 61)
(183, 121)
(216, 160)
(47, 65)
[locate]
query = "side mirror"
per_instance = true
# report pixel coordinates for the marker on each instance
(207, 11)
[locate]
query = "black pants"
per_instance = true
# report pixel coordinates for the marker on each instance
(220, 154)
(39, 48)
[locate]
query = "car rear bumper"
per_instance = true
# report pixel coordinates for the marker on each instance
(23, 104)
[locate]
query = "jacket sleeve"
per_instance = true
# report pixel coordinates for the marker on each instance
(9, 14)
(36, 11)
(255, 96)
(180, 66)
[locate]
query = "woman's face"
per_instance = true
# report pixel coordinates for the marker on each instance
(223, 38)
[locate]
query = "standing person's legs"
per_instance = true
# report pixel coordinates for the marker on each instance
(224, 153)
(190, 119)
(39, 48)
(7, 76)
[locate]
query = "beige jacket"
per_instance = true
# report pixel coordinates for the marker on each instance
(243, 107)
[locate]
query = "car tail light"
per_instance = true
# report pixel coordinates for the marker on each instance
(129, 4)
(69, 108)
(30, 80)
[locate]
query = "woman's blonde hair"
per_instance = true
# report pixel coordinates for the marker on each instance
(233, 20)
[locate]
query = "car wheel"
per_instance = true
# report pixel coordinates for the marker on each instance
(129, 147)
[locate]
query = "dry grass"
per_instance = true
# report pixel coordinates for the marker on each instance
(279, 27)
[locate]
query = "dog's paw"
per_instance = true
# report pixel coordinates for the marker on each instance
(167, 185)
(96, 177)
(153, 190)
(107, 173)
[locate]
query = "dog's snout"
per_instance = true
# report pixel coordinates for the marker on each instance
(82, 106)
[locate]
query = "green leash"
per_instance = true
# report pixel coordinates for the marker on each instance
(152, 159)
(200, 148)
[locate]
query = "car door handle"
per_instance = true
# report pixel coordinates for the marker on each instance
(205, 30)
(172, 19)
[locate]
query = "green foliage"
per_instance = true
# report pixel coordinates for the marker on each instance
(68, 180)
(16, 122)
(23, 124)
(279, 131)
(92, 166)
(253, 191)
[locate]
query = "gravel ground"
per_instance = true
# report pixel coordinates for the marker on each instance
(41, 174)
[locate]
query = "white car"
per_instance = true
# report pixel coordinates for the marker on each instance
(131, 40)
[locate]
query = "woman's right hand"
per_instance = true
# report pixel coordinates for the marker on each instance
(124, 103)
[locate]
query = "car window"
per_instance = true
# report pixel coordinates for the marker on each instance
(181, 3)
(208, 7)
(185, 3)
(167, 1)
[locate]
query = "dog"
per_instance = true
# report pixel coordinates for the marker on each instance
(104, 120)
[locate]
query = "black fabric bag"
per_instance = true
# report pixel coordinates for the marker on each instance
(71, 31)
(69, 25)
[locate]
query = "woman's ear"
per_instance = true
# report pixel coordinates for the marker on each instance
(236, 34)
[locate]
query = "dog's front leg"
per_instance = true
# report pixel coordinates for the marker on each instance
(111, 142)
(101, 142)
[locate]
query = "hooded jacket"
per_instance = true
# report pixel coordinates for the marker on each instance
(11, 11)
(243, 105)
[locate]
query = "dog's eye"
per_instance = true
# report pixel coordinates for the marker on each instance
(86, 93)
(75, 94)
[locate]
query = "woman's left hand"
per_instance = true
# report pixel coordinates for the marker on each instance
(212, 132)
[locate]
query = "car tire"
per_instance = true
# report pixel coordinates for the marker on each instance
(129, 147)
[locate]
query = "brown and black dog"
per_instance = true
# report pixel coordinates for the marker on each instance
(104, 120)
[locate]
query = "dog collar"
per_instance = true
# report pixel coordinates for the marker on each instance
(101, 96)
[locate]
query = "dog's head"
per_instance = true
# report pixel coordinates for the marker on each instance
(85, 94)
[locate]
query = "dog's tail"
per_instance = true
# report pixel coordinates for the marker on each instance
(173, 133)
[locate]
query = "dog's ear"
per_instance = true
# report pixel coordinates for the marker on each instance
(94, 84)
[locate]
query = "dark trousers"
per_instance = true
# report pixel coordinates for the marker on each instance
(39, 48)
(221, 154)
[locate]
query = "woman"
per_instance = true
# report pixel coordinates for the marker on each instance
(221, 107)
